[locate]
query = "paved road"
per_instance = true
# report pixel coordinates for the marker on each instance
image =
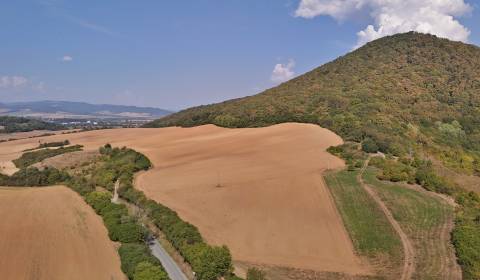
(171, 267)
(174, 272)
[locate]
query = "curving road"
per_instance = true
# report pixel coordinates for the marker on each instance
(171, 267)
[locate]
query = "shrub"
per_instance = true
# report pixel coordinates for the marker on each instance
(134, 254)
(255, 274)
(32, 176)
(30, 158)
(369, 146)
(149, 271)
(466, 238)
(121, 227)
(208, 262)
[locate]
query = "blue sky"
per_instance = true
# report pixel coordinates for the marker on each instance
(176, 54)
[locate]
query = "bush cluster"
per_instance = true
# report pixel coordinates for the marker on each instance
(351, 153)
(255, 274)
(121, 226)
(466, 234)
(30, 158)
(118, 164)
(31, 176)
(137, 261)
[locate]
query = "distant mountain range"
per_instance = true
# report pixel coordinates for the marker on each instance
(79, 110)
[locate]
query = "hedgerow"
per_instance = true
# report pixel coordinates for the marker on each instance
(30, 158)
(209, 262)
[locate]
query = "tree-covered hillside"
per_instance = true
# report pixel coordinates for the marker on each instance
(403, 91)
(10, 124)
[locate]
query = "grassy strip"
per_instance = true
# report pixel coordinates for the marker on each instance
(422, 217)
(208, 262)
(466, 234)
(30, 158)
(371, 233)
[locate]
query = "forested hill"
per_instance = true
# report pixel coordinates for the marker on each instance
(10, 124)
(402, 91)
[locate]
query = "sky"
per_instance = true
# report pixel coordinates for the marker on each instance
(177, 54)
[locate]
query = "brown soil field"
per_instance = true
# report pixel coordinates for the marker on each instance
(257, 190)
(68, 160)
(7, 167)
(35, 133)
(52, 234)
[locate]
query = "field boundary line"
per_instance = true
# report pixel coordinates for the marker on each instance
(408, 250)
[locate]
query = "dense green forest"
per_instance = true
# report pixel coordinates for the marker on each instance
(17, 124)
(414, 97)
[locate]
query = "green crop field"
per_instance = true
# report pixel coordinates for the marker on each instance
(371, 233)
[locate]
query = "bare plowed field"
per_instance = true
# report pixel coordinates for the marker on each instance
(52, 234)
(257, 190)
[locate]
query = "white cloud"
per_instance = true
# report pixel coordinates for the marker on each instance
(389, 17)
(67, 58)
(283, 72)
(13, 81)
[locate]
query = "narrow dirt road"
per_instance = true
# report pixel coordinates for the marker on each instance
(115, 192)
(409, 252)
(449, 264)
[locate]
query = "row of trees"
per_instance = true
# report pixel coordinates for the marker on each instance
(137, 262)
(18, 124)
(54, 144)
(121, 226)
(209, 262)
(33, 157)
(31, 176)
